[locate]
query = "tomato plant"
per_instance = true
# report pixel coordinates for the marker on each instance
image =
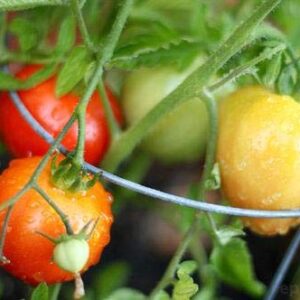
(53, 112)
(168, 141)
(171, 63)
(30, 253)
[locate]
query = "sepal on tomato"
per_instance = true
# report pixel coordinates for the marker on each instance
(70, 176)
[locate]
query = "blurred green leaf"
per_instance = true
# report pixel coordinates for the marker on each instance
(66, 36)
(111, 278)
(184, 288)
(287, 80)
(214, 180)
(226, 233)
(73, 70)
(186, 268)
(233, 264)
(126, 294)
(9, 82)
(26, 32)
(162, 295)
(40, 292)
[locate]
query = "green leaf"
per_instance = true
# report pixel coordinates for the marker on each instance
(162, 295)
(110, 278)
(73, 70)
(227, 232)
(214, 180)
(272, 71)
(186, 268)
(184, 289)
(40, 292)
(8, 82)
(26, 32)
(126, 294)
(287, 80)
(233, 264)
(66, 35)
(179, 54)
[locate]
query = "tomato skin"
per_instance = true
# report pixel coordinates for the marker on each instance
(30, 253)
(259, 155)
(53, 113)
(181, 135)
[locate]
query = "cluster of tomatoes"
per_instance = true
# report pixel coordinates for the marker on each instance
(258, 154)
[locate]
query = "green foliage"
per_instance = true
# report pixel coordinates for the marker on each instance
(126, 294)
(73, 70)
(26, 32)
(66, 35)
(233, 265)
(184, 287)
(110, 278)
(214, 180)
(40, 292)
(9, 82)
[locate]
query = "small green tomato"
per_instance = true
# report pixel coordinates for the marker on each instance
(71, 255)
(182, 134)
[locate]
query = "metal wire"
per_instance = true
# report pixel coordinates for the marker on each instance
(208, 207)
(283, 267)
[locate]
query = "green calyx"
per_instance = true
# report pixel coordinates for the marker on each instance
(71, 252)
(68, 175)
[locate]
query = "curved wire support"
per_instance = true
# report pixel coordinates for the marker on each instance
(207, 207)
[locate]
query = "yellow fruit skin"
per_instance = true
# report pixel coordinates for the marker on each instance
(259, 155)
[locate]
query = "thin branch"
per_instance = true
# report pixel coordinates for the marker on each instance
(62, 215)
(4, 228)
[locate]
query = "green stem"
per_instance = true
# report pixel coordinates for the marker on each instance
(188, 89)
(2, 33)
(111, 120)
(171, 269)
(3, 259)
(7, 57)
(107, 53)
(62, 215)
(20, 5)
(76, 8)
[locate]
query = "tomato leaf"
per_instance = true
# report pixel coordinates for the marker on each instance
(9, 82)
(179, 54)
(287, 80)
(73, 70)
(126, 294)
(226, 233)
(232, 263)
(162, 295)
(66, 35)
(184, 288)
(40, 292)
(26, 32)
(214, 180)
(186, 268)
(110, 278)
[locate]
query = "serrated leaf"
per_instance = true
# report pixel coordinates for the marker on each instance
(126, 294)
(110, 278)
(226, 233)
(186, 268)
(40, 292)
(66, 36)
(214, 180)
(73, 70)
(8, 82)
(26, 32)
(287, 80)
(184, 289)
(233, 264)
(272, 71)
(179, 54)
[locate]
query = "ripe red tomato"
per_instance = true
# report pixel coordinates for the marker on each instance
(30, 254)
(53, 113)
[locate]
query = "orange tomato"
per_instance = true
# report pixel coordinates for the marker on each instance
(29, 253)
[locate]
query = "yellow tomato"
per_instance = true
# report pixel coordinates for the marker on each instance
(259, 155)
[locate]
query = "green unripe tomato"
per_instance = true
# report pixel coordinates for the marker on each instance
(182, 134)
(71, 255)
